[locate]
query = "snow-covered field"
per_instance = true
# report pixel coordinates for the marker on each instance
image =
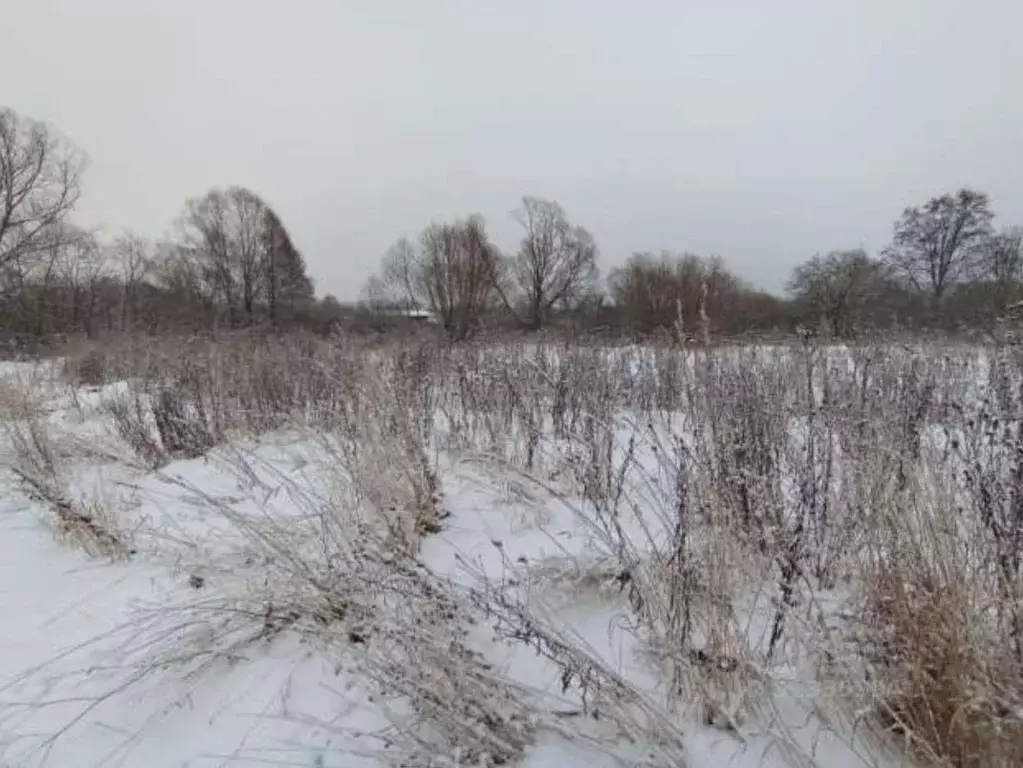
(256, 615)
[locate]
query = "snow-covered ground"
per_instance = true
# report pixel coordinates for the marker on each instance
(103, 663)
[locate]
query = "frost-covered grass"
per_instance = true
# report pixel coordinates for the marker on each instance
(304, 552)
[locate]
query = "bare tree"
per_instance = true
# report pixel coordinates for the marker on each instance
(245, 254)
(134, 257)
(39, 186)
(81, 268)
(377, 294)
(644, 292)
(556, 262)
(95, 276)
(37, 277)
(181, 275)
(838, 288)
(1000, 267)
(283, 269)
(72, 270)
(935, 245)
(246, 222)
(659, 292)
(205, 244)
(402, 281)
(225, 230)
(453, 274)
(54, 290)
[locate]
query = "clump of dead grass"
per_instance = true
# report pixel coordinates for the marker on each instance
(39, 464)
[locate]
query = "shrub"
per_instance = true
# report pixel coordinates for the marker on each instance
(89, 367)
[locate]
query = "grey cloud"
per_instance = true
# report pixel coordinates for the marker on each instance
(762, 132)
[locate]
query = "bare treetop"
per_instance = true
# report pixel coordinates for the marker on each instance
(246, 259)
(999, 267)
(39, 185)
(1001, 259)
(453, 274)
(935, 245)
(838, 287)
(556, 262)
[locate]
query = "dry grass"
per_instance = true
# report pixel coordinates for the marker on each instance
(38, 461)
(822, 471)
(850, 517)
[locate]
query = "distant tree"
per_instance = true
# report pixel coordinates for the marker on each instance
(454, 273)
(593, 311)
(658, 292)
(651, 292)
(460, 270)
(242, 254)
(206, 245)
(377, 294)
(556, 263)
(187, 296)
(1001, 265)
(838, 288)
(39, 186)
(134, 258)
(249, 245)
(402, 280)
(285, 281)
(331, 307)
(81, 270)
(935, 245)
(323, 316)
(754, 311)
(38, 278)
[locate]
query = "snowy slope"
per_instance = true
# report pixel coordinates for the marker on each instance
(94, 656)
(70, 625)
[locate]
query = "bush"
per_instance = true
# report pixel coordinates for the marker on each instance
(89, 368)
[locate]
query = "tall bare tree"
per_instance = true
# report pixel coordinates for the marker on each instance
(402, 280)
(285, 282)
(74, 271)
(935, 245)
(556, 262)
(838, 288)
(206, 244)
(85, 272)
(244, 252)
(134, 257)
(38, 277)
(453, 274)
(246, 223)
(39, 186)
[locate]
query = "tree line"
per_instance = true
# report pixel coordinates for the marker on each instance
(946, 268)
(232, 264)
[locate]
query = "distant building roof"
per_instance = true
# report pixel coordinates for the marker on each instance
(418, 313)
(412, 314)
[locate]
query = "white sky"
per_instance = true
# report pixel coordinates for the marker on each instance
(759, 131)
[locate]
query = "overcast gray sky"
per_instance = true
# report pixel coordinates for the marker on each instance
(758, 131)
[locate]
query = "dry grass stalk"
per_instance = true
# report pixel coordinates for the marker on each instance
(39, 465)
